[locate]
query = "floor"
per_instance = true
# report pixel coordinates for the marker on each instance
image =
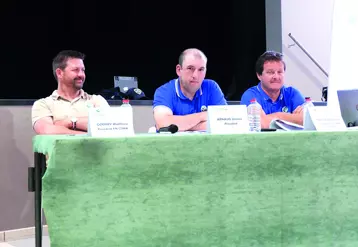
(30, 242)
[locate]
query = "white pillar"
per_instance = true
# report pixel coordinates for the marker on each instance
(344, 49)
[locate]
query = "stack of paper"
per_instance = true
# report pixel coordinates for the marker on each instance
(285, 125)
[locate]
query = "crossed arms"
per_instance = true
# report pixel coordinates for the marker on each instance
(295, 117)
(46, 126)
(164, 117)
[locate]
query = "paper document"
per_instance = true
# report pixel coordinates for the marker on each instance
(285, 125)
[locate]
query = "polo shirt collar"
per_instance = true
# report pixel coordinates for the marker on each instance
(56, 96)
(266, 97)
(180, 93)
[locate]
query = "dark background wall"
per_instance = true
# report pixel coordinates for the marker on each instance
(128, 38)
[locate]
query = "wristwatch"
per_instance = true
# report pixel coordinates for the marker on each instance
(74, 121)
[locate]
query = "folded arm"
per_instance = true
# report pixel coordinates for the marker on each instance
(46, 126)
(295, 117)
(199, 126)
(164, 117)
(82, 123)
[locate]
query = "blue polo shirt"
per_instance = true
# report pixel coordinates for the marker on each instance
(171, 96)
(288, 100)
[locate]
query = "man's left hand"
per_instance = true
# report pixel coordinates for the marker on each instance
(298, 110)
(64, 122)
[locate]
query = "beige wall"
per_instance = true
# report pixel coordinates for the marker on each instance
(16, 203)
(314, 34)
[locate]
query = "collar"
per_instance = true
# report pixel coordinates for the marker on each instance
(56, 96)
(266, 97)
(180, 93)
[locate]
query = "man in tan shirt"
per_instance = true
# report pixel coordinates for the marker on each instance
(65, 111)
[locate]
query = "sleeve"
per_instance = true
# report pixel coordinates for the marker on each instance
(217, 96)
(100, 101)
(163, 99)
(246, 97)
(296, 99)
(39, 110)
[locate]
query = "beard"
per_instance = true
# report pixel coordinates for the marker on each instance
(78, 83)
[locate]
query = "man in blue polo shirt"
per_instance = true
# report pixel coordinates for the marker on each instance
(277, 100)
(184, 101)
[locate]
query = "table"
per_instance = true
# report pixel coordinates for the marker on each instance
(262, 189)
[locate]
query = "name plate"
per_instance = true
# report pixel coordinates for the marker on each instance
(110, 122)
(323, 118)
(227, 119)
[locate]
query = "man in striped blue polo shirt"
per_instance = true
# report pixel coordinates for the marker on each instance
(183, 101)
(277, 100)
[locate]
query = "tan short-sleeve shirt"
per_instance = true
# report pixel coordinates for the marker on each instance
(59, 108)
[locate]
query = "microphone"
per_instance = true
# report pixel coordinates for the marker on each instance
(171, 128)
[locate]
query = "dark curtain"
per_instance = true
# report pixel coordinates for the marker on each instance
(129, 38)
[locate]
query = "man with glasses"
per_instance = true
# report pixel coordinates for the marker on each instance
(183, 101)
(277, 100)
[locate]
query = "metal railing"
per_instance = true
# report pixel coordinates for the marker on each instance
(308, 55)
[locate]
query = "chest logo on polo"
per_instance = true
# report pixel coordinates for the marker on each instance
(285, 109)
(203, 108)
